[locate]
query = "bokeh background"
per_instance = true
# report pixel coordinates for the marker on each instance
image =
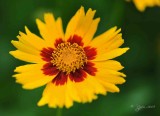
(139, 96)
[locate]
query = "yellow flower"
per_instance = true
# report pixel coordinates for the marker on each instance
(142, 4)
(73, 66)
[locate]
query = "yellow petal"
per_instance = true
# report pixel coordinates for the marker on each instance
(105, 71)
(31, 40)
(32, 79)
(107, 41)
(103, 38)
(111, 79)
(54, 26)
(142, 4)
(45, 33)
(60, 27)
(55, 96)
(72, 91)
(91, 31)
(112, 44)
(83, 25)
(109, 64)
(75, 21)
(29, 67)
(110, 55)
(116, 42)
(51, 29)
(110, 76)
(64, 95)
(24, 48)
(26, 57)
(35, 40)
(96, 86)
(84, 91)
(109, 86)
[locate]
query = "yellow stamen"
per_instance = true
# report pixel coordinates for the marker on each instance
(68, 57)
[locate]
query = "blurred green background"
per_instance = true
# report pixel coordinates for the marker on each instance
(139, 96)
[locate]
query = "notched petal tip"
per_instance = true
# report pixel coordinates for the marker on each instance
(11, 53)
(126, 48)
(119, 29)
(123, 81)
(42, 102)
(120, 80)
(27, 86)
(48, 16)
(91, 11)
(38, 21)
(14, 76)
(81, 8)
(117, 90)
(122, 74)
(27, 30)
(13, 42)
(17, 69)
(98, 19)
(114, 28)
(20, 34)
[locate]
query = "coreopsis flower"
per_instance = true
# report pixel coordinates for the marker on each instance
(142, 4)
(73, 66)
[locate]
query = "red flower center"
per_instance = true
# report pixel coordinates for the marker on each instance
(69, 60)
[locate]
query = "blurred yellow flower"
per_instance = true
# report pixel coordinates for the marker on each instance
(142, 4)
(73, 66)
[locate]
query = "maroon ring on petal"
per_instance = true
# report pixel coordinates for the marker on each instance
(90, 52)
(60, 79)
(76, 39)
(49, 69)
(46, 54)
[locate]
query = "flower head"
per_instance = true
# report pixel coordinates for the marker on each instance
(73, 66)
(142, 4)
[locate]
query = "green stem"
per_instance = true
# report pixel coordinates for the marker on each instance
(59, 112)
